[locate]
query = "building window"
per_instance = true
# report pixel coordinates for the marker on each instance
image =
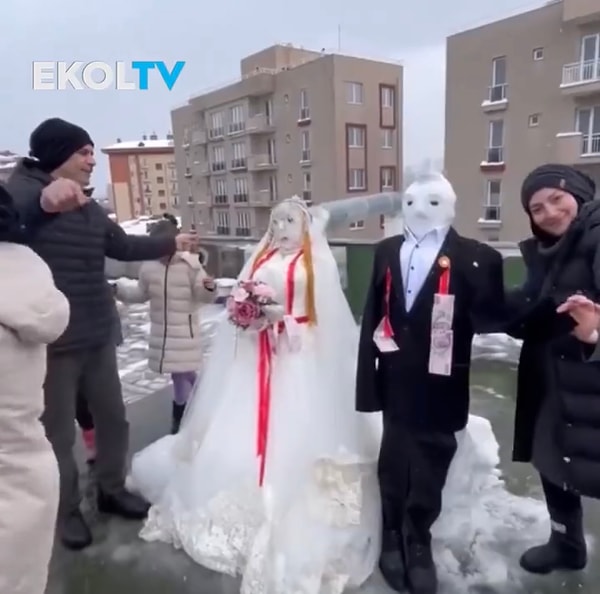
(356, 137)
(387, 139)
(161, 193)
(305, 154)
(357, 225)
(588, 123)
(387, 96)
(158, 166)
(243, 227)
(223, 226)
(271, 151)
(218, 161)
(495, 151)
(239, 155)
(217, 125)
(240, 191)
(388, 179)
(273, 188)
(357, 179)
(493, 199)
(236, 119)
(304, 108)
(307, 187)
(538, 54)
(534, 120)
(221, 196)
(498, 87)
(354, 93)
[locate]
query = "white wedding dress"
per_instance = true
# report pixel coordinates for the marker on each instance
(313, 527)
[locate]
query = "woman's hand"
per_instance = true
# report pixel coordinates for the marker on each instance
(587, 315)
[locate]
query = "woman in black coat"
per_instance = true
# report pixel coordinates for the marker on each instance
(557, 423)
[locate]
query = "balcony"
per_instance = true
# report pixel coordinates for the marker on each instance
(494, 160)
(239, 164)
(219, 199)
(497, 98)
(575, 148)
(199, 137)
(261, 163)
(188, 173)
(581, 78)
(262, 198)
(259, 124)
(581, 11)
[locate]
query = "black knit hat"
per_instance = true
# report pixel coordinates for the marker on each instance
(561, 177)
(54, 141)
(164, 226)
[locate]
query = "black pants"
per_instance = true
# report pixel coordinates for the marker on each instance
(82, 412)
(413, 468)
(94, 374)
(561, 503)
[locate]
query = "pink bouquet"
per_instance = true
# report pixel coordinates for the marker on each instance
(246, 302)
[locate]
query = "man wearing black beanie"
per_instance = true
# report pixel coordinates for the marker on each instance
(75, 244)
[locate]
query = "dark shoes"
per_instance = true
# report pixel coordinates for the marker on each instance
(421, 572)
(566, 549)
(123, 504)
(391, 561)
(178, 410)
(73, 531)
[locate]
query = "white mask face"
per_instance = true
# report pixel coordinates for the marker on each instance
(428, 204)
(287, 223)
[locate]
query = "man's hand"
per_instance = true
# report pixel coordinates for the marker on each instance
(209, 283)
(587, 315)
(186, 242)
(62, 195)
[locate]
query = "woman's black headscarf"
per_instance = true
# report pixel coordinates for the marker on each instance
(10, 230)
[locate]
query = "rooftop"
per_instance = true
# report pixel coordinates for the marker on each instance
(146, 143)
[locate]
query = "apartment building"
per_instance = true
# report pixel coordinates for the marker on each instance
(143, 177)
(8, 160)
(319, 125)
(520, 92)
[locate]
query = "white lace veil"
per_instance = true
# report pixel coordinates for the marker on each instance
(337, 341)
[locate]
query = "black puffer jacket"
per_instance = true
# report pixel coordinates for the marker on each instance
(75, 245)
(555, 371)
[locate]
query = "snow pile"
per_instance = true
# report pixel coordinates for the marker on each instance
(140, 225)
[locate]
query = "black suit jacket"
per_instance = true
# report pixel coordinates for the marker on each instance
(399, 383)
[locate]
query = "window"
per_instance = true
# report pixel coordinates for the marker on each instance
(222, 226)
(493, 199)
(218, 160)
(354, 93)
(387, 96)
(307, 187)
(236, 119)
(217, 126)
(273, 188)
(271, 151)
(387, 139)
(388, 181)
(158, 166)
(357, 225)
(220, 196)
(590, 57)
(240, 191)
(162, 205)
(304, 108)
(538, 54)
(495, 151)
(356, 137)
(498, 88)
(239, 155)
(243, 223)
(534, 120)
(588, 123)
(305, 156)
(160, 180)
(357, 179)
(161, 193)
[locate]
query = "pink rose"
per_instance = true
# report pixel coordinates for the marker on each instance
(246, 313)
(264, 291)
(239, 294)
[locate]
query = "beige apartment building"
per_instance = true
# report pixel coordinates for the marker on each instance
(143, 177)
(520, 92)
(319, 125)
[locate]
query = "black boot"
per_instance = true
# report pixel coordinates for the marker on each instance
(391, 561)
(178, 410)
(566, 548)
(421, 572)
(73, 531)
(123, 504)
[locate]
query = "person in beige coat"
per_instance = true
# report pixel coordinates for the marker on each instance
(33, 314)
(175, 287)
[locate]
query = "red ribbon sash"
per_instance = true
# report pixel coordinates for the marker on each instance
(265, 352)
(444, 282)
(388, 332)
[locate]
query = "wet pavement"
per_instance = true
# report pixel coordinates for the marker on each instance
(120, 563)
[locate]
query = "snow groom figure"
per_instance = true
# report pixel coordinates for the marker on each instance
(431, 290)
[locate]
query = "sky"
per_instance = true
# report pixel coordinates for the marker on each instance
(211, 39)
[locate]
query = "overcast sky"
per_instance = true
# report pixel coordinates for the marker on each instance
(212, 38)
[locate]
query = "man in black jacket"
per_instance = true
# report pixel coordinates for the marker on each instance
(74, 245)
(430, 291)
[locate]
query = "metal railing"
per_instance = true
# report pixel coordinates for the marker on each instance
(590, 144)
(497, 93)
(581, 72)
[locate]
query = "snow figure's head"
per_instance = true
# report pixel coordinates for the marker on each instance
(429, 203)
(289, 224)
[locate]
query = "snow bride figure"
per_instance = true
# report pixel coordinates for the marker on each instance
(273, 474)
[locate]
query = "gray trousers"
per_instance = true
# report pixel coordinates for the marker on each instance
(95, 372)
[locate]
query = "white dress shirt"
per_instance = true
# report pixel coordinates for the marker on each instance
(417, 256)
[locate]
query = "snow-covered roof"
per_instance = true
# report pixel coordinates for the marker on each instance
(139, 226)
(149, 145)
